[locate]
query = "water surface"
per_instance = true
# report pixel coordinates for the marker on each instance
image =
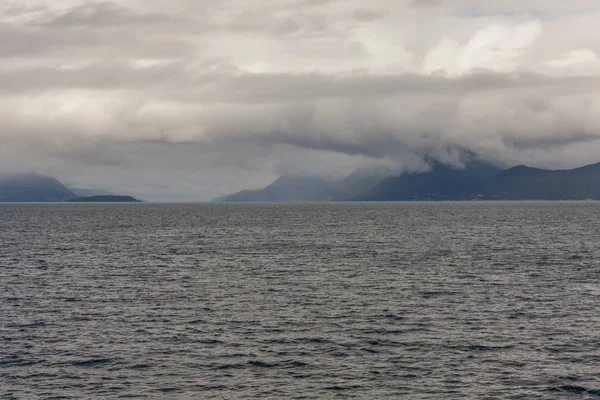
(376, 301)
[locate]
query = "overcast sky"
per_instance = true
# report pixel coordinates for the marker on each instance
(190, 99)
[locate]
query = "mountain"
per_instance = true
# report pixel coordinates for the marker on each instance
(40, 188)
(284, 189)
(32, 188)
(357, 183)
(526, 183)
(105, 199)
(441, 182)
(303, 188)
(478, 180)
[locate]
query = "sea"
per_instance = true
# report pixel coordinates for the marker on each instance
(464, 300)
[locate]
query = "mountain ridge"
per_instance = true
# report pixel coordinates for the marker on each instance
(305, 188)
(477, 180)
(32, 187)
(441, 182)
(37, 188)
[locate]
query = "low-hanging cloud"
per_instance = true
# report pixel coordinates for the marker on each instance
(103, 87)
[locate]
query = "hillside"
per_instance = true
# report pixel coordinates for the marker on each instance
(303, 188)
(441, 182)
(284, 189)
(526, 183)
(358, 182)
(477, 180)
(32, 188)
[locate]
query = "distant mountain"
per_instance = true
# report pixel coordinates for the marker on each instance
(477, 180)
(105, 199)
(303, 188)
(32, 188)
(526, 183)
(284, 189)
(40, 188)
(357, 183)
(482, 181)
(441, 182)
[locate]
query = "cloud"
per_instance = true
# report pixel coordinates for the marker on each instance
(201, 98)
(496, 47)
(102, 14)
(425, 3)
(368, 14)
(574, 57)
(575, 63)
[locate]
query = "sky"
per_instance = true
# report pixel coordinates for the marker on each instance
(186, 100)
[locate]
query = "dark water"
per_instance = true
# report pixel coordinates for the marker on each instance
(415, 301)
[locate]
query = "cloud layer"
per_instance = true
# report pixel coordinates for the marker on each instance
(188, 100)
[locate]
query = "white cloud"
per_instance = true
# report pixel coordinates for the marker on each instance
(496, 48)
(575, 62)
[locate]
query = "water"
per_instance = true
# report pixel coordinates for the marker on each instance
(374, 301)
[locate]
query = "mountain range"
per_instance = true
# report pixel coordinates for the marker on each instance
(309, 188)
(39, 188)
(477, 180)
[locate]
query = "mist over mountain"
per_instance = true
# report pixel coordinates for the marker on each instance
(359, 181)
(303, 188)
(32, 188)
(441, 182)
(476, 180)
(285, 188)
(200, 98)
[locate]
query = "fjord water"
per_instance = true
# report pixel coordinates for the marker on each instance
(309, 301)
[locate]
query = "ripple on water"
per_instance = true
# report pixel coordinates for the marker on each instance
(377, 301)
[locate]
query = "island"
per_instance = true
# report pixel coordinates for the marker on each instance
(105, 199)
